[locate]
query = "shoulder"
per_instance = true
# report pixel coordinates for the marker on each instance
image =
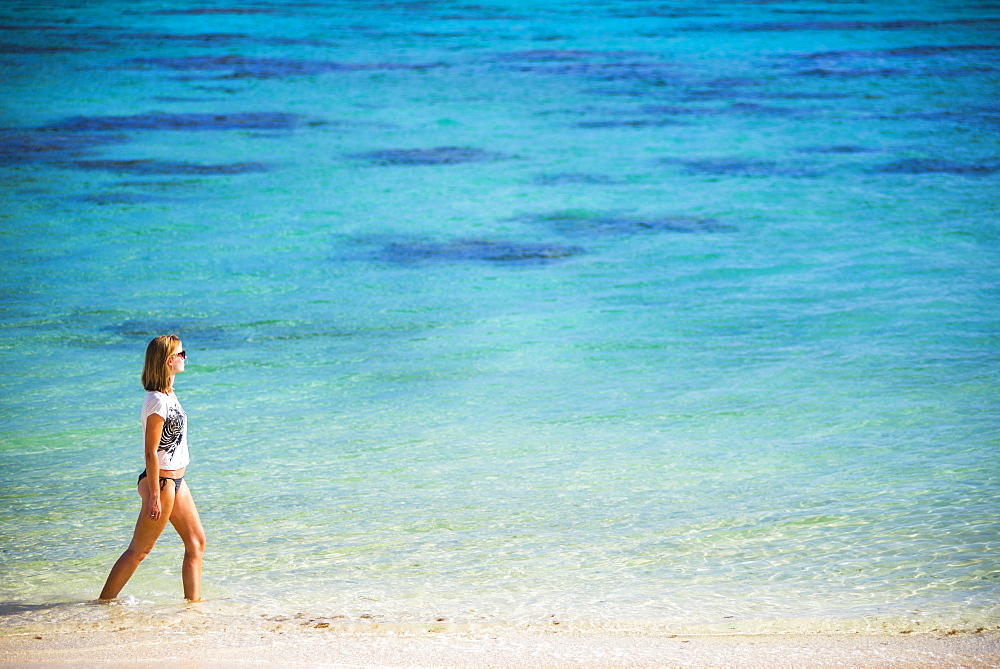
(155, 402)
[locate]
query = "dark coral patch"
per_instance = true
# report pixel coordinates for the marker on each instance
(19, 146)
(648, 74)
(939, 166)
(153, 167)
(243, 67)
(20, 49)
(903, 52)
(584, 223)
(938, 60)
(720, 88)
(557, 55)
(610, 66)
(567, 178)
(202, 11)
(987, 115)
(441, 155)
(712, 93)
(792, 26)
(162, 121)
(475, 250)
(197, 39)
(192, 330)
(755, 109)
(801, 95)
(631, 123)
(662, 12)
(730, 167)
(734, 109)
(836, 148)
(237, 67)
(854, 72)
(117, 198)
(183, 98)
(486, 14)
(678, 110)
(32, 27)
(738, 167)
(224, 39)
(939, 49)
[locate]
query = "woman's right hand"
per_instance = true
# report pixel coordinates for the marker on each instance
(154, 506)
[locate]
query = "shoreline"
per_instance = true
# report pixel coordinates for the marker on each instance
(281, 645)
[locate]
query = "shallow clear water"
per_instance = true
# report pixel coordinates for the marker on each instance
(636, 315)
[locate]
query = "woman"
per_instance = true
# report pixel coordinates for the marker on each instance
(165, 494)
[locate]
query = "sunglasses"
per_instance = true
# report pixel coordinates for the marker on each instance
(180, 354)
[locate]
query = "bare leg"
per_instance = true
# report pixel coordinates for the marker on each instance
(144, 537)
(187, 522)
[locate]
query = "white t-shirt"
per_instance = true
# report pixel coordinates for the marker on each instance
(173, 448)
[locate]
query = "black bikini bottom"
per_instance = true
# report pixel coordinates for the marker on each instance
(163, 481)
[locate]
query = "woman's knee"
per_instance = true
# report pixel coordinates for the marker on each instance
(138, 553)
(195, 544)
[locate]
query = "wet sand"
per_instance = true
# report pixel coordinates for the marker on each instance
(286, 645)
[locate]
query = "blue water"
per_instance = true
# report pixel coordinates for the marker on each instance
(633, 315)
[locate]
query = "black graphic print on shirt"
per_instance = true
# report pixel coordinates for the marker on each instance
(173, 431)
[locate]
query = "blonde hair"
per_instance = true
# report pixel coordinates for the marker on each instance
(155, 375)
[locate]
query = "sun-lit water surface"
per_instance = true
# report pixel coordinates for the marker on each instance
(655, 316)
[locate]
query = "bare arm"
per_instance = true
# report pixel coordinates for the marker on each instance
(154, 428)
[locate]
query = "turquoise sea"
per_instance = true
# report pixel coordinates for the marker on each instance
(626, 314)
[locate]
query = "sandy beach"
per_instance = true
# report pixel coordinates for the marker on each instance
(301, 644)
